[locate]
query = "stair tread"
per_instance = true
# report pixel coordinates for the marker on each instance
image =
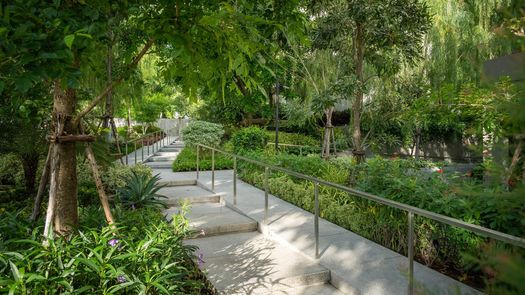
(249, 263)
(321, 289)
(214, 218)
(184, 191)
(159, 165)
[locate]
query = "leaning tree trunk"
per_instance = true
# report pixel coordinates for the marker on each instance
(63, 189)
(358, 151)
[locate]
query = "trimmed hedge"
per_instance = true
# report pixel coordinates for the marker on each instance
(201, 132)
(187, 161)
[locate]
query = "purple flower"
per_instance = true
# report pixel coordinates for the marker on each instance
(200, 260)
(121, 279)
(113, 242)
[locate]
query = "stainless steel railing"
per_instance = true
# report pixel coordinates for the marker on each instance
(411, 210)
(150, 143)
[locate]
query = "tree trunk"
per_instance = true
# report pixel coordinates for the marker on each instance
(109, 96)
(418, 142)
(129, 120)
(327, 133)
(63, 191)
(513, 163)
(30, 165)
(488, 145)
(98, 182)
(44, 179)
(359, 49)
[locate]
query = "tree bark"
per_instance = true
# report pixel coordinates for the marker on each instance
(418, 142)
(44, 179)
(30, 165)
(100, 187)
(358, 151)
(63, 188)
(327, 133)
(109, 71)
(514, 162)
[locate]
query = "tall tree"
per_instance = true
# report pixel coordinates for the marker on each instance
(203, 42)
(375, 36)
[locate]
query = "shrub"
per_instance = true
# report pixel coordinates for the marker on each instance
(293, 138)
(201, 132)
(404, 181)
(11, 172)
(141, 191)
(116, 175)
(145, 256)
(251, 138)
(187, 160)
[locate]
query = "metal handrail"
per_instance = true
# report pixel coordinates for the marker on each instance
(411, 210)
(163, 139)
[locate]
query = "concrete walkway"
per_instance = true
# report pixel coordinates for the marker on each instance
(242, 255)
(356, 265)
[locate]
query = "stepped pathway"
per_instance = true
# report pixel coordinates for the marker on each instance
(243, 255)
(235, 262)
(238, 259)
(165, 156)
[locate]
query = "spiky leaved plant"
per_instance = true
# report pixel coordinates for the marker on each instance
(141, 191)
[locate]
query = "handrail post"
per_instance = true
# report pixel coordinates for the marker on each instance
(234, 181)
(135, 144)
(316, 220)
(197, 161)
(126, 152)
(149, 143)
(266, 172)
(142, 149)
(213, 170)
(156, 141)
(410, 253)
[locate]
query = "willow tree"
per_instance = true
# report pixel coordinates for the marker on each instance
(376, 36)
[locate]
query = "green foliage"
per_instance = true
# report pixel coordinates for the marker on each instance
(187, 160)
(504, 268)
(145, 129)
(116, 175)
(11, 172)
(141, 191)
(406, 181)
(293, 138)
(144, 255)
(250, 138)
(201, 132)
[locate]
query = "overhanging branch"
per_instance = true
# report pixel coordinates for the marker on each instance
(112, 85)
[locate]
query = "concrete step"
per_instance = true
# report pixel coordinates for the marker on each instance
(249, 263)
(162, 159)
(188, 193)
(180, 182)
(169, 150)
(166, 154)
(322, 289)
(210, 219)
(175, 145)
(159, 165)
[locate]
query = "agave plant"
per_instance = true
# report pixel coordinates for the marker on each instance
(141, 191)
